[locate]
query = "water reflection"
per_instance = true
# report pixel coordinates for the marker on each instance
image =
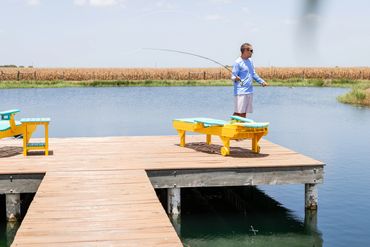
(239, 216)
(11, 230)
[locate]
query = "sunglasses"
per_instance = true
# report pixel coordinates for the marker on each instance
(251, 50)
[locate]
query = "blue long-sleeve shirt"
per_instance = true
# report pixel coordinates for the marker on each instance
(244, 68)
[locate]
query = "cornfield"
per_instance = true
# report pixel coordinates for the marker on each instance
(88, 74)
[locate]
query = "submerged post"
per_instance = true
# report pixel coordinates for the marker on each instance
(13, 207)
(174, 201)
(11, 230)
(310, 220)
(176, 222)
(311, 196)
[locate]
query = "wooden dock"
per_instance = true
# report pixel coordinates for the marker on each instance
(99, 191)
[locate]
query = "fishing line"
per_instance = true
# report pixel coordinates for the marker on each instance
(196, 55)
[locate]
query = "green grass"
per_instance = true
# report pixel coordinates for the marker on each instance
(359, 95)
(115, 83)
(293, 82)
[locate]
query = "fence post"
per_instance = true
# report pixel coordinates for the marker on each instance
(18, 75)
(34, 75)
(204, 75)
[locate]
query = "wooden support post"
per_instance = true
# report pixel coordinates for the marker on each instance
(173, 201)
(311, 196)
(13, 207)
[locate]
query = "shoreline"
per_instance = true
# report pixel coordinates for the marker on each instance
(360, 94)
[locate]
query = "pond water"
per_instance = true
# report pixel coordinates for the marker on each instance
(307, 120)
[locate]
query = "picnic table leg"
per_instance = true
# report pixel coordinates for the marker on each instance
(182, 137)
(29, 130)
(209, 139)
(25, 140)
(225, 150)
(46, 139)
(255, 147)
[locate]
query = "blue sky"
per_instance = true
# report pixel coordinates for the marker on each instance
(112, 33)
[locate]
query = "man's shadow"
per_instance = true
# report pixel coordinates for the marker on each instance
(235, 152)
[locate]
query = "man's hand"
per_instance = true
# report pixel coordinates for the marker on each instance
(264, 84)
(237, 78)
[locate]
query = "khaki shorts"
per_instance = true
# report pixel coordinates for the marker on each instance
(243, 103)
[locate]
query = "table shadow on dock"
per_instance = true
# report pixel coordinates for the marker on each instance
(10, 151)
(235, 152)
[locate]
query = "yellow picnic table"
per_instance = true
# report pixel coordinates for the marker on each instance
(237, 129)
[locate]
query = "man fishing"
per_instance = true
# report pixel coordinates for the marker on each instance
(243, 74)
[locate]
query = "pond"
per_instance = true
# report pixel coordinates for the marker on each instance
(307, 120)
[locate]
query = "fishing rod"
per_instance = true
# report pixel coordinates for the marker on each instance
(200, 56)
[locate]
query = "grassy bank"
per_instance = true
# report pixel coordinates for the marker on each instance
(359, 94)
(164, 83)
(113, 83)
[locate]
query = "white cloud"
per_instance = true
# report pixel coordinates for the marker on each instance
(246, 10)
(79, 2)
(255, 29)
(99, 3)
(213, 17)
(251, 27)
(221, 1)
(163, 4)
(290, 21)
(33, 2)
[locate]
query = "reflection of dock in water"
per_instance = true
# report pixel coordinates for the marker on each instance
(99, 191)
(211, 217)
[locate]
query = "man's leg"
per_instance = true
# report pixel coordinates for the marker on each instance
(239, 106)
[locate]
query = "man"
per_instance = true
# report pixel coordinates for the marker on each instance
(243, 76)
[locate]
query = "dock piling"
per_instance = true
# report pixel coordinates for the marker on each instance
(311, 196)
(174, 201)
(13, 206)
